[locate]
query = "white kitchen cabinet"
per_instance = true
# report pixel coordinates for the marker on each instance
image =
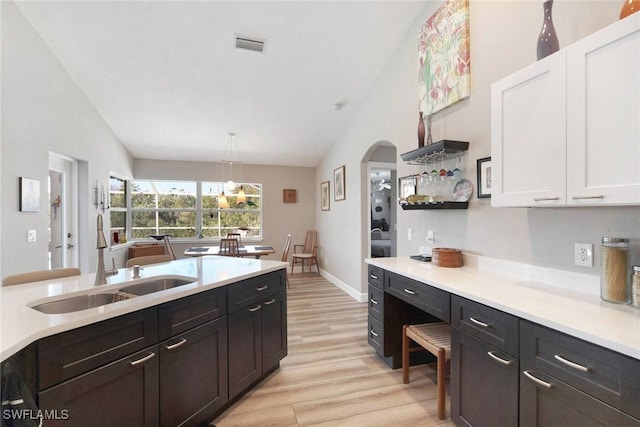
(566, 130)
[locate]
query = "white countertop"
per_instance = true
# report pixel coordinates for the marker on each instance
(580, 314)
(21, 325)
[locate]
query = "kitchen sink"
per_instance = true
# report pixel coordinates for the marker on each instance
(80, 302)
(156, 285)
(97, 299)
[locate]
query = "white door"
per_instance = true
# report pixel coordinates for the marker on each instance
(528, 135)
(62, 212)
(603, 111)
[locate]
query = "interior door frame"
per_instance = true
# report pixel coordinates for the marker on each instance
(68, 208)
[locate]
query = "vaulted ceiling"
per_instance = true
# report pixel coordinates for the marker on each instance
(168, 80)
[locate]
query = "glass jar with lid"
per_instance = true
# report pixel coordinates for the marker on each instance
(614, 260)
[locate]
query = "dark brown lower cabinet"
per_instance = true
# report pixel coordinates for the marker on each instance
(193, 374)
(484, 383)
(121, 393)
(546, 401)
(257, 341)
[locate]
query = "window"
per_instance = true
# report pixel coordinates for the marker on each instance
(118, 208)
(186, 209)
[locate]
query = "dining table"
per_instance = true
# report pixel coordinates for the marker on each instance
(245, 250)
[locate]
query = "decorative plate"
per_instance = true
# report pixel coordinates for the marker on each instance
(463, 190)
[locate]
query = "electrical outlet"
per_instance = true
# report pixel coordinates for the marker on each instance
(583, 254)
(430, 236)
(409, 233)
(31, 236)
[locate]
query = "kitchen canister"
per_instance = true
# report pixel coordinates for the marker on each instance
(635, 286)
(614, 260)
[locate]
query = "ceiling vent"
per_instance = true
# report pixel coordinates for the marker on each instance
(246, 43)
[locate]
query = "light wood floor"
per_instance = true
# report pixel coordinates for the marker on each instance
(331, 376)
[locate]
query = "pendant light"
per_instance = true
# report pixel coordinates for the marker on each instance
(231, 156)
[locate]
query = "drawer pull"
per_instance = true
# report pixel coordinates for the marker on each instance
(571, 364)
(262, 288)
(587, 197)
(544, 199)
(409, 291)
(374, 301)
(499, 359)
(176, 345)
(255, 308)
(373, 333)
(479, 323)
(374, 277)
(537, 380)
(271, 301)
(144, 359)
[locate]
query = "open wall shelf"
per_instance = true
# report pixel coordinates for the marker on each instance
(440, 205)
(444, 148)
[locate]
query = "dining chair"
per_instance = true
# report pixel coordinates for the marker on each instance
(285, 257)
(308, 252)
(236, 236)
(229, 247)
(36, 276)
(148, 259)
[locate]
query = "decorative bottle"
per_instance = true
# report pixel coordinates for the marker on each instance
(547, 40)
(629, 7)
(421, 131)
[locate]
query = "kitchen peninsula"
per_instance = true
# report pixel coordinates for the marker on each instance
(174, 356)
(522, 348)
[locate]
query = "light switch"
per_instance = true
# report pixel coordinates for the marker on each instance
(31, 236)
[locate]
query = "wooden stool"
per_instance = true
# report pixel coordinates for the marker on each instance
(436, 339)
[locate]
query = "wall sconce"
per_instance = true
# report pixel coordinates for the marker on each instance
(99, 197)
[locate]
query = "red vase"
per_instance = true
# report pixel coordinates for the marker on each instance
(421, 131)
(629, 7)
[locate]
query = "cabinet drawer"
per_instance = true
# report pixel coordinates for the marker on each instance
(376, 335)
(492, 326)
(375, 276)
(255, 289)
(427, 298)
(599, 372)
(72, 353)
(185, 313)
(562, 405)
(376, 303)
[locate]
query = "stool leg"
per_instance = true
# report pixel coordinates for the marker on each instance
(405, 356)
(441, 383)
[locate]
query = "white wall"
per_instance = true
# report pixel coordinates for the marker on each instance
(44, 110)
(278, 218)
(503, 40)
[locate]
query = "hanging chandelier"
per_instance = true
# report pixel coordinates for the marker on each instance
(231, 157)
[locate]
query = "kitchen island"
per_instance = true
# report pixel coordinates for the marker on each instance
(175, 356)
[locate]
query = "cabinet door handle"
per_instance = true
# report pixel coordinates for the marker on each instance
(374, 301)
(479, 323)
(544, 199)
(271, 301)
(374, 277)
(374, 333)
(409, 291)
(255, 308)
(176, 345)
(537, 380)
(571, 364)
(144, 359)
(499, 359)
(262, 288)
(600, 196)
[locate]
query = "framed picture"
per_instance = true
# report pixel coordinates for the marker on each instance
(29, 195)
(407, 185)
(289, 195)
(339, 190)
(484, 178)
(324, 196)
